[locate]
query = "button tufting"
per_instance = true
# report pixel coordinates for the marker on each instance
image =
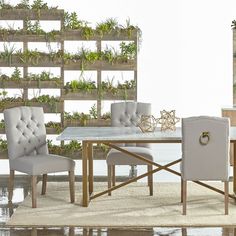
(18, 142)
(33, 133)
(29, 141)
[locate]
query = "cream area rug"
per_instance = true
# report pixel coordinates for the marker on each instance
(130, 206)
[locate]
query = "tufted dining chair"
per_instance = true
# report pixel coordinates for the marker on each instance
(205, 152)
(127, 114)
(28, 151)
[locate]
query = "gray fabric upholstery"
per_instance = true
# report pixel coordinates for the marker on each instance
(127, 114)
(115, 156)
(205, 162)
(27, 146)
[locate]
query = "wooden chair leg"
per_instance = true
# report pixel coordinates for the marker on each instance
(184, 197)
(150, 180)
(109, 175)
(44, 184)
(11, 185)
(226, 187)
(113, 175)
(72, 185)
(181, 190)
(34, 190)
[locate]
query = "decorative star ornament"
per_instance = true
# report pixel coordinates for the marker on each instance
(168, 120)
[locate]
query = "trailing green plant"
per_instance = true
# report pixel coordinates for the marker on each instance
(54, 125)
(106, 27)
(93, 112)
(81, 84)
(87, 32)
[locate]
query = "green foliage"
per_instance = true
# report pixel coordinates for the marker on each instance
(128, 51)
(3, 145)
(93, 112)
(128, 84)
(16, 75)
(108, 86)
(82, 84)
(38, 5)
(4, 5)
(7, 54)
(34, 28)
(106, 116)
(29, 56)
(24, 4)
(43, 76)
(54, 125)
(49, 100)
(2, 124)
(71, 21)
(106, 27)
(87, 32)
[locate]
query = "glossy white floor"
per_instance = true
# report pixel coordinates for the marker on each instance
(164, 153)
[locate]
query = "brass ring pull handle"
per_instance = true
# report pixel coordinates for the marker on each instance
(204, 138)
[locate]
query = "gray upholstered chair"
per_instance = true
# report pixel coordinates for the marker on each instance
(205, 152)
(28, 151)
(127, 114)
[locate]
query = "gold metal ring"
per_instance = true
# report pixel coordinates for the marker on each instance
(204, 138)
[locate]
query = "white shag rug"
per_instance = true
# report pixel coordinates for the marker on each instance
(130, 206)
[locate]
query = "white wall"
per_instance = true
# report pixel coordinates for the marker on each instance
(185, 61)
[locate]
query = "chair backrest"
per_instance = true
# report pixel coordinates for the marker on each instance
(25, 131)
(127, 114)
(205, 148)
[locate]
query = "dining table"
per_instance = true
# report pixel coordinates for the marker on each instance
(113, 137)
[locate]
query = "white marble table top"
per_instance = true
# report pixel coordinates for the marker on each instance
(124, 133)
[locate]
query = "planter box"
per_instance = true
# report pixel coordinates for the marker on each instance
(44, 61)
(29, 84)
(3, 155)
(20, 37)
(128, 94)
(102, 65)
(80, 95)
(113, 36)
(28, 14)
(89, 123)
(98, 154)
(46, 107)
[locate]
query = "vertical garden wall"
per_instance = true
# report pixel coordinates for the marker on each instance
(99, 60)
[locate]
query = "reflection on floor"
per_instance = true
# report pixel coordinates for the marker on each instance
(22, 189)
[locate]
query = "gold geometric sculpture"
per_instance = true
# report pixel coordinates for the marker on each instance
(168, 120)
(147, 123)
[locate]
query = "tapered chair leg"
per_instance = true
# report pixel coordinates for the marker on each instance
(34, 191)
(181, 190)
(109, 176)
(11, 185)
(226, 187)
(150, 180)
(184, 197)
(72, 185)
(44, 184)
(113, 175)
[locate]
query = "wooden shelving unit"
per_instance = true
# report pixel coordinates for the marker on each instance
(45, 61)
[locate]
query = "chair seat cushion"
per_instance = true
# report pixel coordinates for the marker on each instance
(42, 164)
(115, 157)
